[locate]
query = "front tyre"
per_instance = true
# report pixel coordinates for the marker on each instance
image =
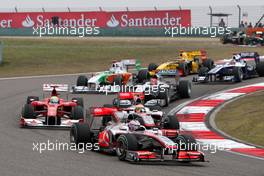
(82, 81)
(238, 74)
(185, 89)
(126, 142)
(80, 133)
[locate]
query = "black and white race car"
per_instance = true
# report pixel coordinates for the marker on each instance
(242, 66)
(165, 92)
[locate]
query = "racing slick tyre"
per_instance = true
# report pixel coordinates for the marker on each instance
(143, 75)
(260, 68)
(32, 98)
(209, 63)
(153, 108)
(126, 142)
(82, 81)
(186, 143)
(78, 100)
(118, 80)
(238, 74)
(223, 40)
(108, 106)
(185, 89)
(77, 113)
(185, 69)
(171, 122)
(152, 67)
(165, 96)
(80, 133)
(28, 111)
(203, 71)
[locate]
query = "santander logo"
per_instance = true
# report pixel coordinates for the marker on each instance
(126, 20)
(28, 22)
(113, 22)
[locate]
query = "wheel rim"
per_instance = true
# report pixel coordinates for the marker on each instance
(121, 149)
(72, 137)
(189, 91)
(241, 75)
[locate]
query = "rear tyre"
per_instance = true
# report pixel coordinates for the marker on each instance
(80, 133)
(203, 71)
(78, 100)
(209, 63)
(28, 111)
(185, 89)
(260, 68)
(152, 67)
(77, 113)
(108, 105)
(143, 75)
(126, 142)
(118, 80)
(165, 96)
(238, 74)
(31, 99)
(82, 81)
(185, 69)
(171, 122)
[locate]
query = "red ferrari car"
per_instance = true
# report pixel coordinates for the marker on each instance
(52, 111)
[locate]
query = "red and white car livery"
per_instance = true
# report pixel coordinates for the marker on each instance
(114, 133)
(52, 111)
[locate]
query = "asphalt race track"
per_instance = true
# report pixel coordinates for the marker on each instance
(18, 158)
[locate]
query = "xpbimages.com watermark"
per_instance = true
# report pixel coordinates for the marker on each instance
(51, 146)
(65, 31)
(196, 31)
(63, 146)
(147, 89)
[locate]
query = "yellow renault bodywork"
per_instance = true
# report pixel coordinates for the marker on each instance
(192, 58)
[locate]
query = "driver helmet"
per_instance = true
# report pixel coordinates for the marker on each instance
(140, 108)
(137, 99)
(237, 57)
(54, 100)
(154, 80)
(133, 125)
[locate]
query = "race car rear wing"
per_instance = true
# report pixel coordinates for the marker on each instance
(57, 87)
(132, 63)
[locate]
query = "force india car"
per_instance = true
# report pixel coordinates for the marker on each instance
(242, 66)
(53, 111)
(106, 81)
(131, 141)
(187, 63)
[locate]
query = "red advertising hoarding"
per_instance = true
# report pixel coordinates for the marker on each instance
(101, 19)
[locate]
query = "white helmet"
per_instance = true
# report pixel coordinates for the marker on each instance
(237, 57)
(133, 125)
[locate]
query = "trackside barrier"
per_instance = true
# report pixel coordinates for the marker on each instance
(133, 32)
(1, 52)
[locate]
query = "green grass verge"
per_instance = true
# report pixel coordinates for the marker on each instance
(38, 56)
(244, 118)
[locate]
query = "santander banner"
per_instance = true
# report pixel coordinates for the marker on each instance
(102, 19)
